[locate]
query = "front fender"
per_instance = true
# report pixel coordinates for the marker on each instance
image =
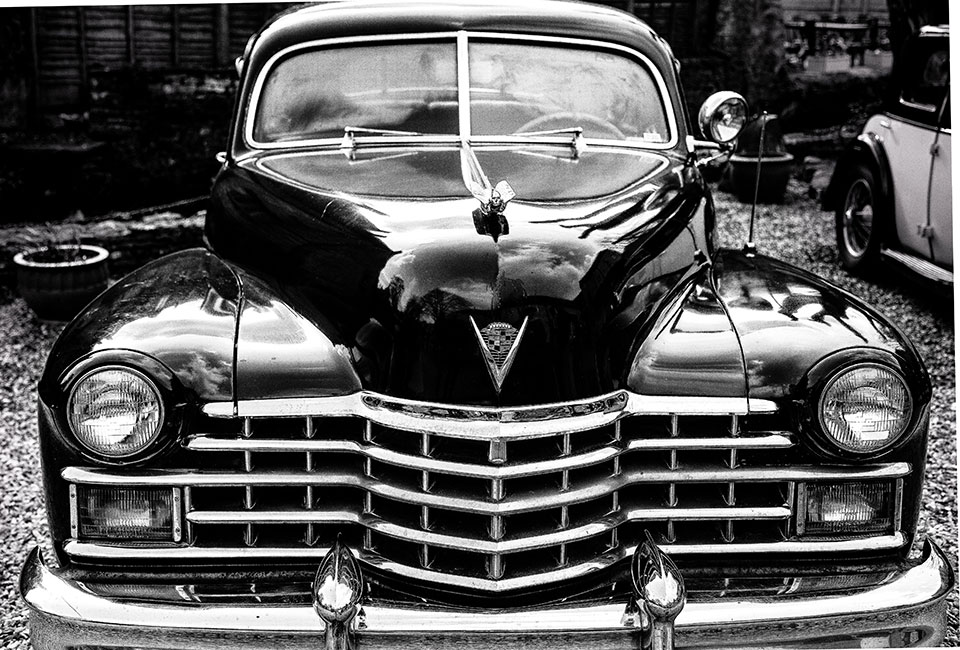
(788, 320)
(285, 351)
(867, 149)
(180, 310)
(174, 319)
(795, 329)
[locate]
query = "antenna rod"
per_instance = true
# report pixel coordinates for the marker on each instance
(751, 247)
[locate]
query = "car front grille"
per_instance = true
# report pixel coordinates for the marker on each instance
(488, 498)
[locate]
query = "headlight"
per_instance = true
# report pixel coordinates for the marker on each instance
(865, 408)
(115, 412)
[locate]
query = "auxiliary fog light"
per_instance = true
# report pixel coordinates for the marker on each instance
(115, 412)
(848, 508)
(125, 513)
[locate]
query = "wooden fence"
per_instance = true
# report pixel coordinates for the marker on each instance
(66, 46)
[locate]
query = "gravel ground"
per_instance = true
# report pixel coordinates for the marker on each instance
(23, 522)
(796, 232)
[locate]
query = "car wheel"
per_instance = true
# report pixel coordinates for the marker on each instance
(858, 224)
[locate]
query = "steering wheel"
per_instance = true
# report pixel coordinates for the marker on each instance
(563, 119)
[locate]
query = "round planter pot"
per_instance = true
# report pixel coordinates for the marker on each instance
(775, 171)
(57, 291)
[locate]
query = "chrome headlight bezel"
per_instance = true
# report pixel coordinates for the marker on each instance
(838, 446)
(175, 401)
(147, 386)
(723, 116)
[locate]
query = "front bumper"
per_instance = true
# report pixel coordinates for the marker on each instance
(906, 609)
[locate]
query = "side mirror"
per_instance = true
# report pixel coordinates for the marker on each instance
(723, 116)
(238, 65)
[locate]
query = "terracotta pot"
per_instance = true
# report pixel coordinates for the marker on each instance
(775, 171)
(57, 291)
(777, 163)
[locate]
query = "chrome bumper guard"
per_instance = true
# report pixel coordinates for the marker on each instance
(907, 609)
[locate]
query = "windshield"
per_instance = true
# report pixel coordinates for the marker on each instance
(526, 88)
(411, 87)
(383, 86)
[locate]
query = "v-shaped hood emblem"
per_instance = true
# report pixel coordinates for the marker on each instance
(499, 343)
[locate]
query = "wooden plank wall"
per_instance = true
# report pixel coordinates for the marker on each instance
(68, 44)
(849, 10)
(680, 22)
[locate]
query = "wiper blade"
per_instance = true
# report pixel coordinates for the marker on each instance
(577, 142)
(350, 142)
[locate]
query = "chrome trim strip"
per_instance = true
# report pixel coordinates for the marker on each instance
(666, 101)
(898, 505)
(485, 422)
(926, 108)
(902, 119)
(205, 443)
(421, 463)
(509, 505)
(801, 508)
(177, 515)
(770, 441)
(53, 597)
(419, 536)
(74, 511)
(106, 553)
(463, 86)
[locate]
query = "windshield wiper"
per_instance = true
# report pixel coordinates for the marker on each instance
(578, 143)
(349, 141)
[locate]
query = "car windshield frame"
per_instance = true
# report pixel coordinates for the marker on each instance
(462, 40)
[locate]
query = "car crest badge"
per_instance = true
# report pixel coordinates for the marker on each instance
(499, 343)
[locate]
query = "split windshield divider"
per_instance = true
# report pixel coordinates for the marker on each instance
(374, 136)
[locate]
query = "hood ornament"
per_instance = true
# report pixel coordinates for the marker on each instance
(488, 218)
(499, 343)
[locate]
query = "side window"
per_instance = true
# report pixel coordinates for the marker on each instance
(926, 80)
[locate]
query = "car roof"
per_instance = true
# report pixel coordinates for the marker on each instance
(345, 19)
(560, 18)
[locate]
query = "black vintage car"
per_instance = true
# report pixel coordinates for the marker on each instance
(460, 363)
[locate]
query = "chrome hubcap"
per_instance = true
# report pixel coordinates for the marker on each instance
(858, 218)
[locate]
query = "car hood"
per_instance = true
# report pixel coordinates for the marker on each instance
(378, 271)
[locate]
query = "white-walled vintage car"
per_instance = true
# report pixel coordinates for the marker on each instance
(891, 190)
(461, 364)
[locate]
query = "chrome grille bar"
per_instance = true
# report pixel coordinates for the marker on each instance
(425, 450)
(484, 545)
(426, 464)
(208, 442)
(110, 553)
(489, 423)
(309, 535)
(687, 475)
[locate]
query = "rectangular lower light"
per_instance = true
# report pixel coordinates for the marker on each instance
(125, 513)
(855, 508)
